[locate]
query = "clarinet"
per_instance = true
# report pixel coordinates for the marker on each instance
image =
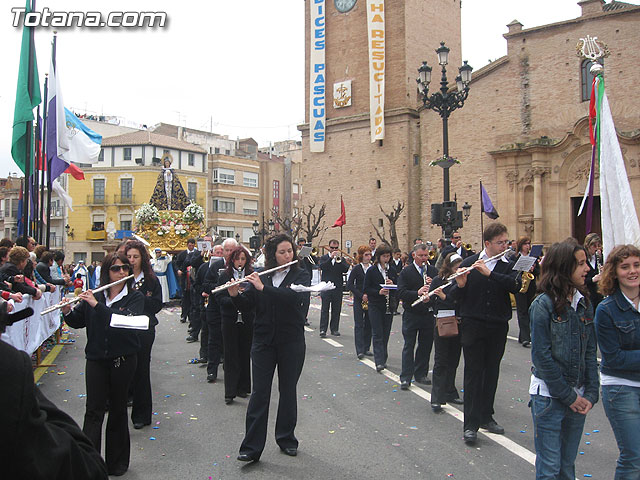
(386, 277)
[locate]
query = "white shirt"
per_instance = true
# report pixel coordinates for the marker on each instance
(123, 293)
(278, 277)
(418, 267)
(492, 264)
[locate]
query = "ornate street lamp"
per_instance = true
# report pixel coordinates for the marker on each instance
(445, 102)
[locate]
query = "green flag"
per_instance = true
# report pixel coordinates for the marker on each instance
(26, 100)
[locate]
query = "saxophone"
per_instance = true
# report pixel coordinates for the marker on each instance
(527, 277)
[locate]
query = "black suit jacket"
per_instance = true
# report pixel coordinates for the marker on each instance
(355, 283)
(211, 282)
(397, 265)
(332, 271)
(8, 271)
(152, 292)
(38, 440)
(186, 259)
(409, 282)
(372, 281)
(486, 299)
(450, 248)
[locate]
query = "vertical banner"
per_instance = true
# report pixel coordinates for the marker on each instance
(317, 111)
(376, 37)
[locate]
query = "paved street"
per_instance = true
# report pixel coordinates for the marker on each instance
(352, 421)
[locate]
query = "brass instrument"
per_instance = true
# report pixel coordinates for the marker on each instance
(432, 255)
(467, 246)
(365, 305)
(352, 258)
(205, 255)
(527, 277)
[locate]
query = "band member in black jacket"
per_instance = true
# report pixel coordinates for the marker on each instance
(485, 308)
(333, 266)
(456, 246)
(447, 349)
(417, 321)
(278, 341)
(355, 284)
(214, 317)
(237, 326)
(111, 359)
(524, 300)
(379, 313)
(307, 263)
(146, 282)
(593, 246)
(182, 262)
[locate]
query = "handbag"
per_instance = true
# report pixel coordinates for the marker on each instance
(447, 326)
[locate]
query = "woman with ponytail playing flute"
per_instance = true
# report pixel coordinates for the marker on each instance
(111, 359)
(278, 341)
(379, 312)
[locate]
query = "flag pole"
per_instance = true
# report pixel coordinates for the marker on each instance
(49, 157)
(35, 215)
(481, 217)
(43, 159)
(341, 203)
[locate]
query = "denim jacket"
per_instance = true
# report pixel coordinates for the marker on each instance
(563, 349)
(618, 331)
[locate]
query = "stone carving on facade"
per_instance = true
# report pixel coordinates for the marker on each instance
(512, 178)
(540, 171)
(527, 224)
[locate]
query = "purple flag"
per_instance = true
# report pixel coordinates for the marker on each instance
(57, 144)
(487, 204)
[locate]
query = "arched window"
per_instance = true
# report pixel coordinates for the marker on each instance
(587, 77)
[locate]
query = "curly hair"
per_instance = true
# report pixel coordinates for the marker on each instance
(608, 278)
(557, 268)
(271, 245)
(362, 249)
(18, 254)
(145, 259)
(235, 254)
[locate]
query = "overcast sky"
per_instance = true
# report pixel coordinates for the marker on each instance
(234, 66)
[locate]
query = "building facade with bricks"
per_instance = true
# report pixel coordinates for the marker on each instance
(523, 130)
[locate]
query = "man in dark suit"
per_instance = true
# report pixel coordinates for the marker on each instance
(213, 314)
(456, 246)
(417, 321)
(184, 260)
(306, 263)
(485, 307)
(332, 266)
(396, 263)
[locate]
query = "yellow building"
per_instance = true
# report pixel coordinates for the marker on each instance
(121, 181)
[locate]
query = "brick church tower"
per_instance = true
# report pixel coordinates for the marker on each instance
(370, 175)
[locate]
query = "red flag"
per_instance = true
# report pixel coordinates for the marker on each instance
(75, 172)
(342, 220)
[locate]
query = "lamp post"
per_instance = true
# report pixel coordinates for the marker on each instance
(262, 230)
(444, 102)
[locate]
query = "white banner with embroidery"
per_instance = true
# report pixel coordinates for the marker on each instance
(376, 37)
(317, 65)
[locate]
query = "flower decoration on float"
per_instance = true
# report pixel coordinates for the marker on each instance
(194, 213)
(147, 213)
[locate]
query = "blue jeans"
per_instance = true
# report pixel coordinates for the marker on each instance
(622, 406)
(558, 431)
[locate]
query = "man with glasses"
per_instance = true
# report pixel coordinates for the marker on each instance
(456, 246)
(332, 266)
(485, 307)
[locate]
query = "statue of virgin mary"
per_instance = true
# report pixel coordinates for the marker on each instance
(168, 193)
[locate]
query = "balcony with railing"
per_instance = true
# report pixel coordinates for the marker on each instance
(125, 199)
(122, 234)
(96, 235)
(96, 200)
(57, 213)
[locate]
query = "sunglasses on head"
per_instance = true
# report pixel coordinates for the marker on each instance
(117, 268)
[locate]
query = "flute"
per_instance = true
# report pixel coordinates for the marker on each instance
(237, 282)
(451, 278)
(77, 299)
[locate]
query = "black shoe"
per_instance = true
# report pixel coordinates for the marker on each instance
(183, 320)
(470, 436)
(436, 407)
(526, 344)
(379, 368)
(360, 356)
(243, 457)
(368, 353)
(404, 386)
(212, 377)
(130, 402)
(323, 334)
(292, 452)
(228, 400)
(191, 339)
(456, 401)
(243, 394)
(423, 381)
(493, 427)
(336, 333)
(138, 425)
(306, 323)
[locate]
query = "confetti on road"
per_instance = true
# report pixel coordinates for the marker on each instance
(152, 438)
(332, 431)
(596, 431)
(587, 443)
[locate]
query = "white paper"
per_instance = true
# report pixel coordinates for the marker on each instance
(135, 322)
(320, 287)
(524, 263)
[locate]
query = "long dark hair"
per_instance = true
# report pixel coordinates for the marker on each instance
(381, 250)
(271, 245)
(557, 268)
(235, 254)
(447, 265)
(145, 262)
(106, 265)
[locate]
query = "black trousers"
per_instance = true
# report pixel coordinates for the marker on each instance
(415, 360)
(333, 299)
(305, 305)
(237, 355)
(214, 324)
(142, 403)
(186, 298)
(289, 358)
(445, 363)
(380, 331)
(523, 302)
(204, 334)
(362, 328)
(483, 347)
(195, 319)
(109, 380)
